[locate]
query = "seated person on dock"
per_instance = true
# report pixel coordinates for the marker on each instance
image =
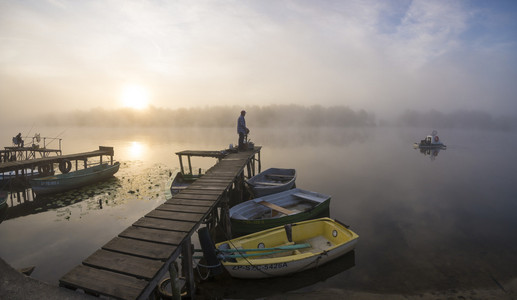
(17, 140)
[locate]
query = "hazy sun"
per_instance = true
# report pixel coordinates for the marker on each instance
(135, 96)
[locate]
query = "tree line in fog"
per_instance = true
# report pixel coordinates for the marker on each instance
(275, 116)
(466, 119)
(218, 116)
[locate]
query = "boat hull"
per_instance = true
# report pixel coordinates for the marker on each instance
(3, 197)
(270, 181)
(181, 181)
(63, 182)
(426, 146)
(328, 240)
(259, 217)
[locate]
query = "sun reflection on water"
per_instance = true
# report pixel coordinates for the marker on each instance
(136, 150)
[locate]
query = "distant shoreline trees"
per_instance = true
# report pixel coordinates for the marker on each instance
(464, 119)
(217, 116)
(274, 116)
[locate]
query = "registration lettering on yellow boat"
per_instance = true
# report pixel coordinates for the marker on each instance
(260, 267)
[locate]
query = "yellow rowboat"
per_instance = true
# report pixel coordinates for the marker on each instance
(286, 249)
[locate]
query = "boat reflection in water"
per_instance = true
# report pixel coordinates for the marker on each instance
(23, 202)
(225, 287)
(431, 152)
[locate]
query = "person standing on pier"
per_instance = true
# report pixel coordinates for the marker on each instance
(242, 130)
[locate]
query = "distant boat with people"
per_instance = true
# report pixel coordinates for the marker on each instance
(430, 141)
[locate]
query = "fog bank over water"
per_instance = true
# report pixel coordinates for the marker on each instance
(218, 116)
(273, 116)
(465, 119)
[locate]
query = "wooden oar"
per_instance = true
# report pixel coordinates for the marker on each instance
(251, 254)
(287, 247)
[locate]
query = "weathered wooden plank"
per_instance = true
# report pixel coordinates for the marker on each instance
(223, 172)
(204, 203)
(200, 196)
(230, 166)
(154, 235)
(181, 226)
(215, 180)
(211, 183)
(103, 282)
(140, 248)
(222, 169)
(142, 268)
(184, 208)
(207, 187)
(173, 215)
(199, 192)
(218, 176)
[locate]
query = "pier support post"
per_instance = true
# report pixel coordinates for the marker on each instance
(189, 164)
(186, 266)
(173, 273)
(253, 165)
(226, 216)
(259, 164)
(248, 167)
(181, 164)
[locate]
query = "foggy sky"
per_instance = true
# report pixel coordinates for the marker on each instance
(382, 56)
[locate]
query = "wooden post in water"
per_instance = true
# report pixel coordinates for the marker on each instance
(226, 216)
(176, 294)
(253, 165)
(248, 168)
(186, 266)
(189, 164)
(181, 163)
(259, 166)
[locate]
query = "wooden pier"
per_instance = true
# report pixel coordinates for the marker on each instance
(35, 149)
(20, 166)
(131, 265)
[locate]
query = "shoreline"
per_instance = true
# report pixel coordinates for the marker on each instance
(15, 285)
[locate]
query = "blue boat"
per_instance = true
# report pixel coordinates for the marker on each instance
(271, 181)
(63, 182)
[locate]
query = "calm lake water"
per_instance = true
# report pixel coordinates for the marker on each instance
(426, 221)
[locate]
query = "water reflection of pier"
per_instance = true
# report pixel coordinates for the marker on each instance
(131, 264)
